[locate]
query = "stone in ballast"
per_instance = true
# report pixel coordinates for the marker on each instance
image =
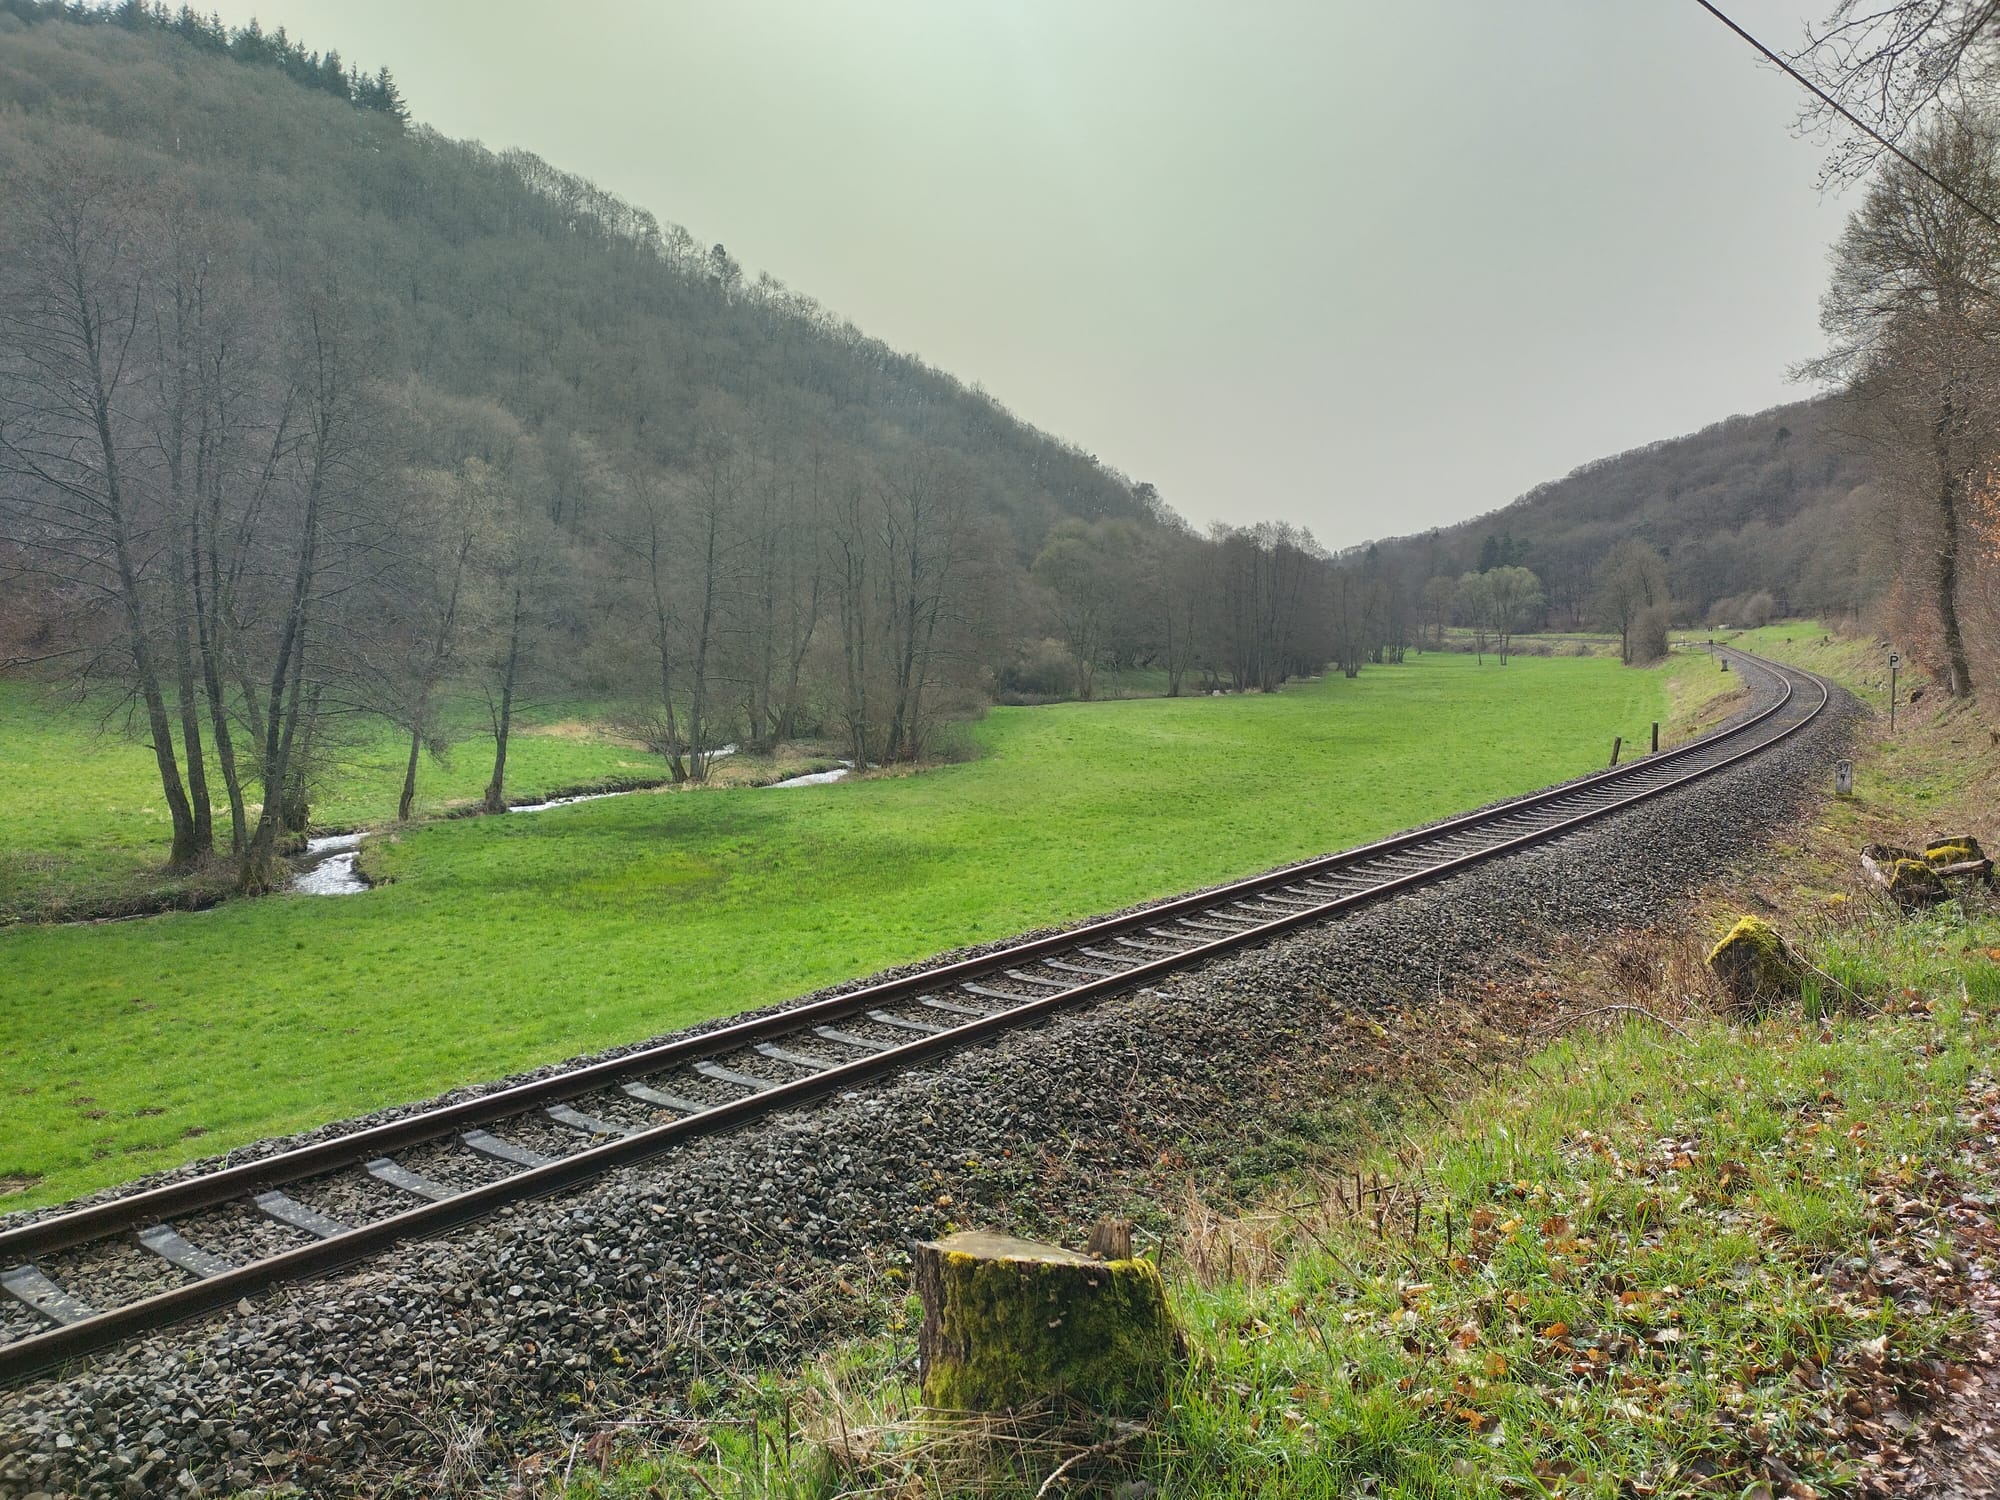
(1010, 1324)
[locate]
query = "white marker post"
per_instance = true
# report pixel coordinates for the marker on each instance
(1895, 661)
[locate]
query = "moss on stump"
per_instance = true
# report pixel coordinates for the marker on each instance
(1756, 967)
(1958, 854)
(1010, 1324)
(1906, 876)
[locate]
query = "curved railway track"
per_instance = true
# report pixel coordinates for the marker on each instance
(321, 1206)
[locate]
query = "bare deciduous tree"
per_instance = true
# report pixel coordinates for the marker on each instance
(1631, 580)
(73, 325)
(1516, 594)
(1910, 315)
(1895, 64)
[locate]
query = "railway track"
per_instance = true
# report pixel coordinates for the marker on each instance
(87, 1279)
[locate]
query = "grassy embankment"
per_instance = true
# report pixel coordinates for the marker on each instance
(500, 943)
(1670, 1254)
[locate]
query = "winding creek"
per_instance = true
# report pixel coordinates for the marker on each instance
(333, 875)
(331, 872)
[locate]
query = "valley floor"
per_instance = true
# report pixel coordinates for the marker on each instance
(496, 944)
(623, 1320)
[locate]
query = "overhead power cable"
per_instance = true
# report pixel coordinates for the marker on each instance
(1848, 115)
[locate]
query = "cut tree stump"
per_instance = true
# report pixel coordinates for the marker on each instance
(1904, 875)
(1757, 967)
(1110, 1239)
(1011, 1324)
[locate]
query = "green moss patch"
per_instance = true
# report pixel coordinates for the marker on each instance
(1012, 1325)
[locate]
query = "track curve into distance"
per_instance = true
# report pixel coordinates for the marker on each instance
(626, 1109)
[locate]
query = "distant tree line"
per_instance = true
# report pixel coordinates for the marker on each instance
(1748, 519)
(249, 43)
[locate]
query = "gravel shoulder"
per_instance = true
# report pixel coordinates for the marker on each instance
(439, 1366)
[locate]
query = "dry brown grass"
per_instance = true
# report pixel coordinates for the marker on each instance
(593, 730)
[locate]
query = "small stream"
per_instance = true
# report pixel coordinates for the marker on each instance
(332, 872)
(816, 778)
(333, 875)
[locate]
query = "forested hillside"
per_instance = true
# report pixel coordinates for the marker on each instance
(498, 276)
(1777, 504)
(308, 412)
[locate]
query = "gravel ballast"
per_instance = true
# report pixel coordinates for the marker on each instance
(441, 1361)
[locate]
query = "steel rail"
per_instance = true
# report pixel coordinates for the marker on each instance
(174, 1199)
(55, 1346)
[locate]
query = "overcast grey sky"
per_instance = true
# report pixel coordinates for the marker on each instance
(1366, 267)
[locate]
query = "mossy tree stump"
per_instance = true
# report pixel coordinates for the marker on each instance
(1010, 1324)
(1906, 876)
(1756, 967)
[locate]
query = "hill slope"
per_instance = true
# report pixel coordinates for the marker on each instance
(497, 275)
(1776, 501)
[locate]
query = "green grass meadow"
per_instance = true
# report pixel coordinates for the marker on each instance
(83, 814)
(500, 943)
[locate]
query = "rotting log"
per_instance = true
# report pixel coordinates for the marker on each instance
(1903, 875)
(1010, 1324)
(1958, 855)
(1756, 967)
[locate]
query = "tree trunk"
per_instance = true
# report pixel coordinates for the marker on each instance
(189, 703)
(914, 728)
(409, 797)
(301, 730)
(283, 782)
(698, 696)
(207, 649)
(1958, 667)
(1013, 1325)
(676, 767)
(788, 712)
(663, 640)
(503, 723)
(763, 729)
(281, 721)
(253, 706)
(854, 639)
(906, 653)
(185, 850)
